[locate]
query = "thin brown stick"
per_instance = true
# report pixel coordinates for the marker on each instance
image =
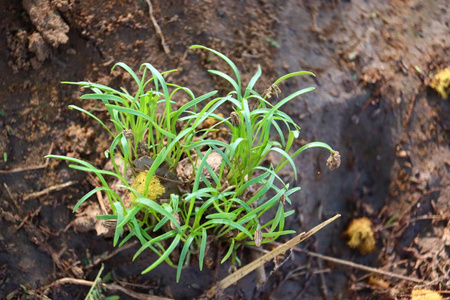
(13, 199)
(95, 182)
(394, 264)
(167, 179)
(234, 277)
(311, 271)
(430, 217)
(35, 167)
(408, 114)
(261, 277)
(358, 266)
(108, 255)
(100, 201)
(32, 214)
(323, 285)
(111, 287)
(20, 169)
(157, 28)
(48, 190)
(116, 287)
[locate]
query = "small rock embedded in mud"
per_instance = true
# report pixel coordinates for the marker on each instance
(71, 51)
(334, 160)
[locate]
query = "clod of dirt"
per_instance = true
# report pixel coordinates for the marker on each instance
(81, 140)
(47, 21)
(361, 235)
(37, 45)
(62, 5)
(425, 295)
(17, 44)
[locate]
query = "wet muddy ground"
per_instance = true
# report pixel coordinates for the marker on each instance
(374, 62)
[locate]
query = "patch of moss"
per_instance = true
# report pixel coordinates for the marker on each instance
(155, 189)
(361, 235)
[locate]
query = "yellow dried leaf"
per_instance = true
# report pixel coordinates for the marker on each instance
(210, 122)
(378, 282)
(155, 189)
(360, 235)
(425, 295)
(441, 83)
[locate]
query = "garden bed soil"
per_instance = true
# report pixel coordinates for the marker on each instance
(373, 61)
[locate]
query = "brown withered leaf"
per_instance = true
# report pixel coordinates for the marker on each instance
(334, 160)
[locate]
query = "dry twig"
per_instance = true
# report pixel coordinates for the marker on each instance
(13, 199)
(96, 183)
(48, 190)
(22, 169)
(110, 287)
(323, 285)
(261, 277)
(107, 255)
(282, 248)
(157, 28)
(31, 214)
(408, 114)
(358, 266)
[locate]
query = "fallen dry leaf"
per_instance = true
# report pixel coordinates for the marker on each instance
(425, 295)
(185, 168)
(86, 220)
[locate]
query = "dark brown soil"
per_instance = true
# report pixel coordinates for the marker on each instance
(373, 61)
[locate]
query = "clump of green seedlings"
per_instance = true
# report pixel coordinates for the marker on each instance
(223, 193)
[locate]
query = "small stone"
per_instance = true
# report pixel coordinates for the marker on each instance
(71, 51)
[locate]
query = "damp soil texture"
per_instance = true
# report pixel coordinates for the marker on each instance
(374, 62)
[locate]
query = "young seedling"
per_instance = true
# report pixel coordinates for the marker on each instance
(186, 185)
